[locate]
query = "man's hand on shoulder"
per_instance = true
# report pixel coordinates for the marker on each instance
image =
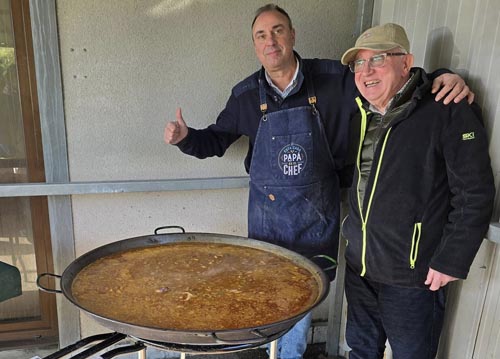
(453, 87)
(436, 280)
(175, 131)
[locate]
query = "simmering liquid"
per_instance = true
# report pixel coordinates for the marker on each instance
(195, 286)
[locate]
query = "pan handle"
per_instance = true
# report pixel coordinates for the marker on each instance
(48, 290)
(328, 258)
(168, 227)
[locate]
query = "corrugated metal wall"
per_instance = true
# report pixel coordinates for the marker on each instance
(463, 35)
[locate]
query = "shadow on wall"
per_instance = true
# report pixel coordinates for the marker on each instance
(442, 52)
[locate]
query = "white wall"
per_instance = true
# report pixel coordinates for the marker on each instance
(463, 35)
(127, 65)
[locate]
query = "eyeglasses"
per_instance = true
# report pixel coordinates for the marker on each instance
(374, 61)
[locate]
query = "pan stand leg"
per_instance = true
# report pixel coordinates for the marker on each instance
(273, 350)
(141, 354)
(183, 356)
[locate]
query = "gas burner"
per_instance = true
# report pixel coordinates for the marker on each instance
(140, 345)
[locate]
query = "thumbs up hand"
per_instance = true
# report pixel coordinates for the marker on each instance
(175, 131)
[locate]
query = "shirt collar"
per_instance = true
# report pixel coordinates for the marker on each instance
(290, 86)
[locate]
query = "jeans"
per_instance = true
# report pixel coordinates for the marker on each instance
(410, 318)
(293, 344)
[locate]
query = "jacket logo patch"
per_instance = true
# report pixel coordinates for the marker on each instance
(292, 159)
(468, 136)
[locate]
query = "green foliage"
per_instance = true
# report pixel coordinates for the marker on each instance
(7, 60)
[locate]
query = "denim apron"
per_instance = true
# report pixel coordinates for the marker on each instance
(294, 188)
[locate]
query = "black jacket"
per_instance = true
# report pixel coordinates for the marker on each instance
(429, 196)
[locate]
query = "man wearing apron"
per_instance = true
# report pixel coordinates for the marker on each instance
(296, 114)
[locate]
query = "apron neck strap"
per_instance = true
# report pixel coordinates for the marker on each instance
(311, 96)
(262, 92)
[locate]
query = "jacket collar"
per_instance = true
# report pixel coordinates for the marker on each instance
(417, 89)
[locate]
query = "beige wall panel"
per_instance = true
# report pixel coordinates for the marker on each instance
(488, 340)
(464, 306)
(128, 64)
(108, 218)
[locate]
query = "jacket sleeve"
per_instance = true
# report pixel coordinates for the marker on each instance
(436, 73)
(216, 138)
(470, 178)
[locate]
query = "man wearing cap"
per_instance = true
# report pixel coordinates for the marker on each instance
(420, 203)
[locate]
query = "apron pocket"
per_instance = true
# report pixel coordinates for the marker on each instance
(292, 156)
